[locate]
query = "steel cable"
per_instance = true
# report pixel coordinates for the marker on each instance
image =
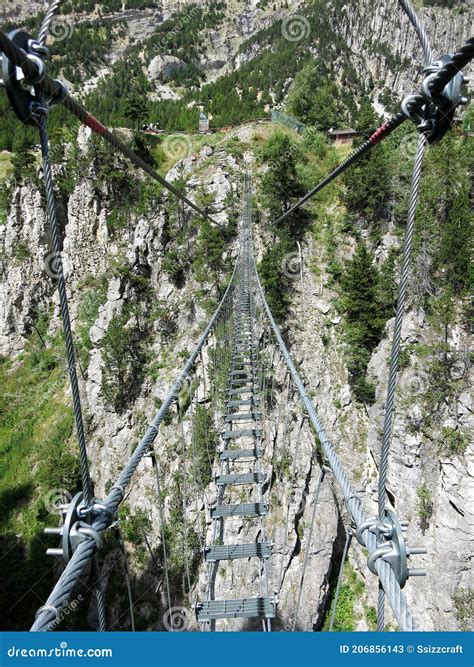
(396, 347)
(50, 15)
(420, 31)
(61, 592)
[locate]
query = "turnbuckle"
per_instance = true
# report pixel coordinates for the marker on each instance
(76, 526)
(392, 546)
(436, 116)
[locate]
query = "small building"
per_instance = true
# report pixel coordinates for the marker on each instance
(203, 123)
(342, 136)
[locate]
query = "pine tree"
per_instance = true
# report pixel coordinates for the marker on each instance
(368, 188)
(360, 290)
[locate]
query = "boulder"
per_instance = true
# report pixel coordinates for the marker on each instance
(163, 67)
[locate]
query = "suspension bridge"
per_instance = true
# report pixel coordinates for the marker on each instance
(233, 369)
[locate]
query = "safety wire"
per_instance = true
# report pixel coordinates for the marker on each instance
(395, 354)
(402, 292)
(162, 526)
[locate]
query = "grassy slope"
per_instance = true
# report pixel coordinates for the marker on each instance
(36, 464)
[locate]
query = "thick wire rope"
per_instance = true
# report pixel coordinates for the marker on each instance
(50, 15)
(63, 303)
(184, 498)
(396, 348)
(395, 595)
(62, 591)
(69, 342)
(420, 31)
(161, 513)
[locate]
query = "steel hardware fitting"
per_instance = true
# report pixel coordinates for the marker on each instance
(392, 548)
(436, 116)
(76, 526)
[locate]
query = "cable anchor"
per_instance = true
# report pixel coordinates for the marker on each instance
(392, 548)
(76, 526)
(436, 116)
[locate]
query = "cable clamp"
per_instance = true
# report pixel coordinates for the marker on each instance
(96, 509)
(60, 93)
(436, 116)
(76, 526)
(48, 607)
(393, 548)
(41, 70)
(35, 47)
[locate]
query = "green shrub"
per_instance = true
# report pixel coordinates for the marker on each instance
(453, 442)
(425, 505)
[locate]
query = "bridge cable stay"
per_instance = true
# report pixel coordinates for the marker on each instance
(56, 92)
(104, 513)
(400, 310)
(367, 538)
(161, 512)
(433, 106)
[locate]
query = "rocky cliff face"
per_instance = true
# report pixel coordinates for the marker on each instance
(26, 288)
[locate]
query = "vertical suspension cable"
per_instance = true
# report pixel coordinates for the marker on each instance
(184, 496)
(420, 31)
(287, 519)
(395, 354)
(162, 525)
(41, 114)
(52, 11)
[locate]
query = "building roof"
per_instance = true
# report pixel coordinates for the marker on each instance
(349, 130)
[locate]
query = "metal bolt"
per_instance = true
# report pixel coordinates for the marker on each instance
(52, 531)
(416, 572)
(413, 551)
(55, 552)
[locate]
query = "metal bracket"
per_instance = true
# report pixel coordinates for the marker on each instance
(20, 91)
(74, 529)
(393, 549)
(437, 115)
